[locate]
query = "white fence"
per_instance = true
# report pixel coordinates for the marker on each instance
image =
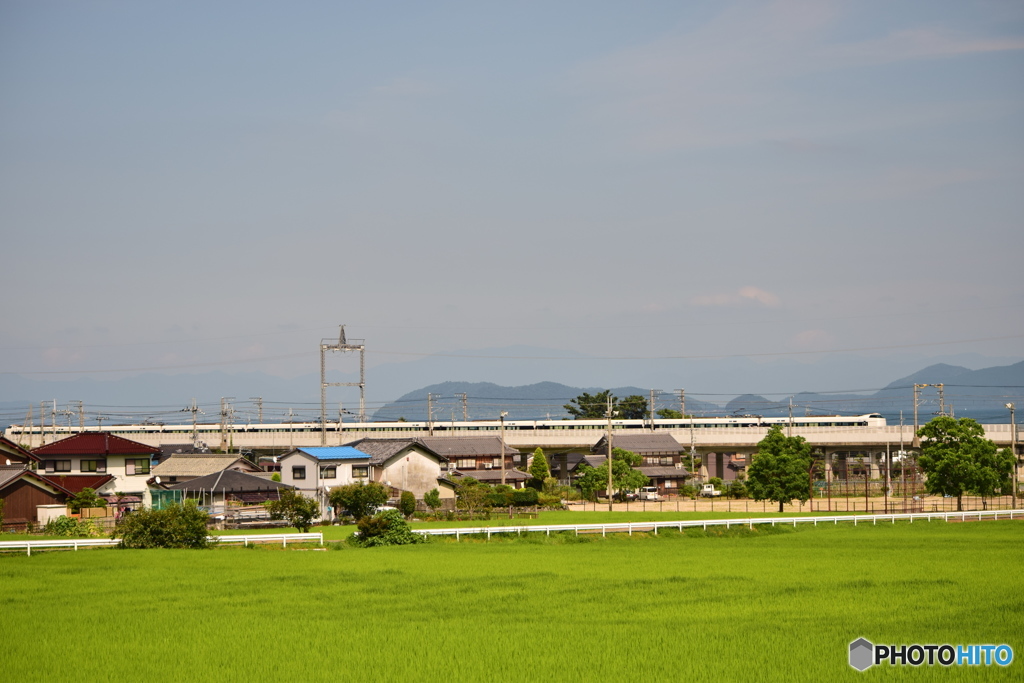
(76, 543)
(630, 527)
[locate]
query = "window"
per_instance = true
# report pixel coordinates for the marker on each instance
(670, 483)
(329, 472)
(299, 472)
(360, 471)
(98, 466)
(466, 463)
(136, 466)
(57, 465)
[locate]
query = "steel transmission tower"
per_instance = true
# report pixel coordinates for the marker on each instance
(341, 345)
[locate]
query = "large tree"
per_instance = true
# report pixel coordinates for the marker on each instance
(633, 407)
(779, 469)
(587, 407)
(624, 477)
(360, 499)
(539, 467)
(958, 459)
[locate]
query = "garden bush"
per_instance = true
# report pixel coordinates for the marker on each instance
(387, 527)
(176, 526)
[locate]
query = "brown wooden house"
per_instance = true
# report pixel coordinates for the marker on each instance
(22, 490)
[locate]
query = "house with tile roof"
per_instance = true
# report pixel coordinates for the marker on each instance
(93, 459)
(22, 491)
(184, 467)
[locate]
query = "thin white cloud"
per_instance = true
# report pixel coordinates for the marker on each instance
(744, 295)
(731, 81)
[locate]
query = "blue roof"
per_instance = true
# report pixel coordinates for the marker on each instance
(335, 453)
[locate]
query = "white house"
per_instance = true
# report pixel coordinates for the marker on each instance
(401, 464)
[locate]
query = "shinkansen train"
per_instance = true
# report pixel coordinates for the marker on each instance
(209, 432)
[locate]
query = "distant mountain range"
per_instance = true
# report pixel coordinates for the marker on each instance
(534, 383)
(980, 394)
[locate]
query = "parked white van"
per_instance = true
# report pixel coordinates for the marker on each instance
(649, 493)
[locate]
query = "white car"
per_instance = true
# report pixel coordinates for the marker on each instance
(649, 493)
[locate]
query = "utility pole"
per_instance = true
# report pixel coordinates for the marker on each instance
(259, 406)
(465, 406)
(1013, 449)
(28, 421)
(650, 410)
(430, 415)
(291, 430)
(81, 414)
(42, 423)
(343, 346)
(682, 403)
(195, 430)
(609, 453)
(227, 412)
(502, 418)
(789, 431)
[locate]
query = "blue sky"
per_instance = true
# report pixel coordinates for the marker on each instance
(218, 185)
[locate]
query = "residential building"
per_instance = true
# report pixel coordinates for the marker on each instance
(97, 459)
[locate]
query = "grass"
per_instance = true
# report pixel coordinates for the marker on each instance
(762, 605)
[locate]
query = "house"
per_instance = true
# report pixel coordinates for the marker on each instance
(467, 453)
(99, 458)
(22, 491)
(13, 454)
(661, 458)
(184, 467)
(401, 464)
(231, 486)
(514, 478)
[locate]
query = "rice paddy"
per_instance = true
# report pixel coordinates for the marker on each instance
(762, 605)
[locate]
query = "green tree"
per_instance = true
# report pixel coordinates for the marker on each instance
(86, 498)
(299, 510)
(539, 467)
(432, 499)
(958, 459)
(471, 495)
(779, 470)
(587, 407)
(624, 478)
(360, 499)
(669, 414)
(407, 503)
(633, 407)
(179, 525)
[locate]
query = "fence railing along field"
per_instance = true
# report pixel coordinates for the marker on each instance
(76, 543)
(630, 527)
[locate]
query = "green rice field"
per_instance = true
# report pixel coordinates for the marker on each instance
(776, 604)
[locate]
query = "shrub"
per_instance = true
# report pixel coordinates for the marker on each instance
(299, 510)
(387, 527)
(523, 497)
(548, 500)
(176, 526)
(62, 526)
(407, 503)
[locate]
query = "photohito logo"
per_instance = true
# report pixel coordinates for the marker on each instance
(863, 654)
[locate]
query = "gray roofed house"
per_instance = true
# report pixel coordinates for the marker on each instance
(641, 444)
(186, 466)
(233, 484)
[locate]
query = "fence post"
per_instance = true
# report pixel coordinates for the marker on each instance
(284, 541)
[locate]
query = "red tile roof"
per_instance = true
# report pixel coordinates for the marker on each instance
(95, 443)
(76, 482)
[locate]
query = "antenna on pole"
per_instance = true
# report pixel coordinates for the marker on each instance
(342, 345)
